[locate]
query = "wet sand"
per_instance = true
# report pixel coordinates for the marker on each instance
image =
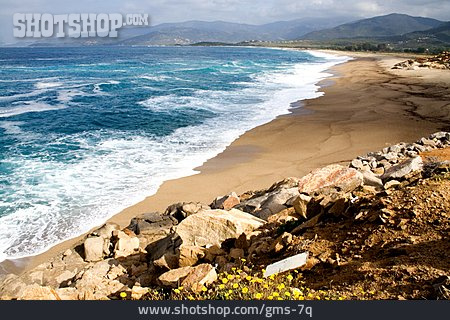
(366, 106)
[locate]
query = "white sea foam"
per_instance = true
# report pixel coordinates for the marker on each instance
(71, 198)
(46, 85)
(28, 106)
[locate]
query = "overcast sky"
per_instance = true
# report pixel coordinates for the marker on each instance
(248, 11)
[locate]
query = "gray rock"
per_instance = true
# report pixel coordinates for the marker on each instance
(391, 156)
(403, 168)
(276, 202)
(439, 135)
(427, 142)
(370, 179)
(357, 164)
(395, 149)
(151, 227)
(419, 148)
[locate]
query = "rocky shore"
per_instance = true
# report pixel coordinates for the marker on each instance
(440, 61)
(375, 229)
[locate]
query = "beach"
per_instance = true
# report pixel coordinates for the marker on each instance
(365, 107)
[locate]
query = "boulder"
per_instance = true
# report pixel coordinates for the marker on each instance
(93, 283)
(125, 244)
(212, 227)
(167, 245)
(150, 227)
(106, 230)
(167, 262)
(36, 292)
(287, 183)
(190, 255)
(93, 249)
(181, 210)
(281, 242)
(402, 169)
(335, 176)
(301, 205)
(275, 202)
(138, 292)
(199, 276)
(357, 163)
(237, 253)
(226, 202)
(391, 184)
(370, 179)
(67, 293)
(174, 277)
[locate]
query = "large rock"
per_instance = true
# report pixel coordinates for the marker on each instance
(336, 176)
(93, 283)
(36, 292)
(181, 210)
(190, 255)
(301, 205)
(226, 202)
(212, 227)
(125, 245)
(93, 249)
(402, 169)
(275, 202)
(370, 179)
(151, 227)
(173, 278)
(200, 276)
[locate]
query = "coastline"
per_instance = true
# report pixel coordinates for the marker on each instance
(324, 130)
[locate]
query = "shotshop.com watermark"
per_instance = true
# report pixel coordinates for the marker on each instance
(74, 25)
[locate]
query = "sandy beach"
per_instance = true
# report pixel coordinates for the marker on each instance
(365, 107)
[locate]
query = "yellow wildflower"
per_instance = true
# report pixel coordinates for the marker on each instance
(230, 277)
(224, 280)
(289, 277)
(248, 278)
(244, 290)
(270, 297)
(281, 286)
(123, 294)
(287, 294)
(275, 294)
(235, 285)
(176, 291)
(258, 296)
(221, 286)
(204, 289)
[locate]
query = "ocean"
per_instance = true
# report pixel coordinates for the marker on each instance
(88, 131)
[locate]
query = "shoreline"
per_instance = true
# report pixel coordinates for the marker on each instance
(312, 135)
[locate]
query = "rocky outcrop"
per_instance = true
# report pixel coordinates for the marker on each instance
(440, 61)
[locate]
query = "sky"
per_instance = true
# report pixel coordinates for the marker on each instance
(244, 11)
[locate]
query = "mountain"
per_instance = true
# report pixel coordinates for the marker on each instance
(220, 31)
(381, 26)
(439, 34)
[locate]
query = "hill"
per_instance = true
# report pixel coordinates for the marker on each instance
(220, 31)
(389, 25)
